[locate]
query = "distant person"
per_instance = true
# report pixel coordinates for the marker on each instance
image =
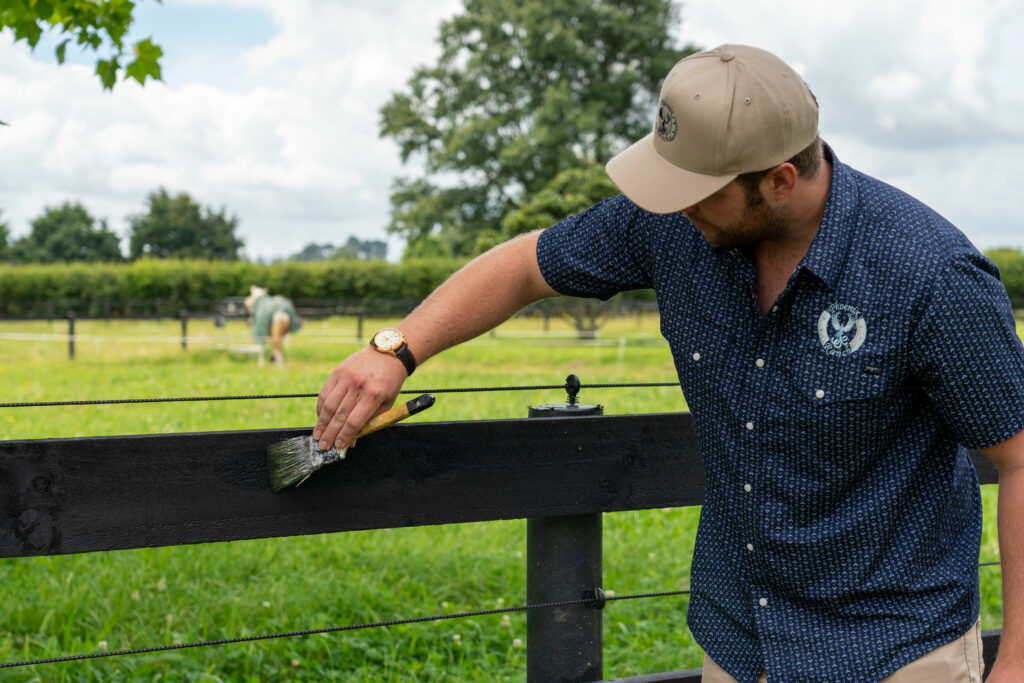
(273, 318)
(840, 345)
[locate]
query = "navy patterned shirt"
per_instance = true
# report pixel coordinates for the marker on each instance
(841, 523)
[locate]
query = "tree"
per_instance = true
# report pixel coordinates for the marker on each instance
(314, 252)
(92, 24)
(67, 233)
(523, 89)
(177, 227)
(355, 248)
(570, 192)
(5, 237)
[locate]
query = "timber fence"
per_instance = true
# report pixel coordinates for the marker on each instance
(560, 473)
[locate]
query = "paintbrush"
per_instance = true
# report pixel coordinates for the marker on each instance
(292, 461)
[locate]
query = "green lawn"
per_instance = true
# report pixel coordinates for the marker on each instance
(85, 603)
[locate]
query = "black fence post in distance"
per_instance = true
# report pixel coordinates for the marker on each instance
(71, 335)
(184, 329)
(563, 562)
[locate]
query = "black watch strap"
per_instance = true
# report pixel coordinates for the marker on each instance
(403, 354)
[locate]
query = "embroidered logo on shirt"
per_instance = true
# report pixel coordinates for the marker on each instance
(666, 125)
(841, 330)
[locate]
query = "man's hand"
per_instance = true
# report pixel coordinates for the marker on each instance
(364, 385)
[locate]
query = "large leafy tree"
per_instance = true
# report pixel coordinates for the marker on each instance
(177, 227)
(67, 233)
(523, 90)
(96, 25)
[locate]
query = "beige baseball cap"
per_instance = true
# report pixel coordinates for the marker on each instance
(731, 110)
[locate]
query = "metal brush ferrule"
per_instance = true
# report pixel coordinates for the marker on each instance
(319, 458)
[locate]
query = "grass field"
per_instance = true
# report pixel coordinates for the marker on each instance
(86, 603)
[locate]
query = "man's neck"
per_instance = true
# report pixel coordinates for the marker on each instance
(806, 204)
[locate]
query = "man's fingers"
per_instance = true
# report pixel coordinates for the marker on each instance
(361, 413)
(329, 435)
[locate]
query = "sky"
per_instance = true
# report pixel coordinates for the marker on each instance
(269, 110)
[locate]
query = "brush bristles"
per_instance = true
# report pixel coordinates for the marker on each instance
(291, 462)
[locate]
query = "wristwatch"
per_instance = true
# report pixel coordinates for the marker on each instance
(391, 341)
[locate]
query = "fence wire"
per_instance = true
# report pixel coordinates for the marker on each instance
(598, 601)
(456, 390)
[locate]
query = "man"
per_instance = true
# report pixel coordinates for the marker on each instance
(839, 345)
(273, 317)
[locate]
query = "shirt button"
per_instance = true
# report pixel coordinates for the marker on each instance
(819, 394)
(775, 308)
(763, 602)
(696, 356)
(747, 487)
(750, 547)
(750, 426)
(759, 362)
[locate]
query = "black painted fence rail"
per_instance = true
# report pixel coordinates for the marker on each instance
(61, 496)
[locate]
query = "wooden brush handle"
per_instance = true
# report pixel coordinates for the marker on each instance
(421, 402)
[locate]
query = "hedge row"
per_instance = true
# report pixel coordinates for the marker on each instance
(119, 289)
(125, 289)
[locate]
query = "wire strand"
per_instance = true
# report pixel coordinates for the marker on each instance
(337, 629)
(456, 390)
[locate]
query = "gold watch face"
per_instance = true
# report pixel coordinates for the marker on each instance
(387, 339)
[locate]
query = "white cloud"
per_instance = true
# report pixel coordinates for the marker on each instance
(283, 133)
(926, 95)
(294, 153)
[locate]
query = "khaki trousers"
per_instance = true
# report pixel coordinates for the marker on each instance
(956, 662)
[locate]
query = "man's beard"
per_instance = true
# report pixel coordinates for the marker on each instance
(759, 222)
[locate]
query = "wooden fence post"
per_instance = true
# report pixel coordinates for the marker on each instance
(71, 335)
(563, 562)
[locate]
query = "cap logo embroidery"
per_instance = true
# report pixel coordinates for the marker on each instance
(841, 330)
(666, 125)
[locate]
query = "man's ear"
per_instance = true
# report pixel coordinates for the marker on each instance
(780, 181)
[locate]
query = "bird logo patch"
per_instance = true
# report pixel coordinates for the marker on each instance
(841, 330)
(666, 125)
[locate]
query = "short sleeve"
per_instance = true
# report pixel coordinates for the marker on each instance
(597, 253)
(966, 352)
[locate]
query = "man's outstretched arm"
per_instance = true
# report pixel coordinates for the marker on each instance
(480, 296)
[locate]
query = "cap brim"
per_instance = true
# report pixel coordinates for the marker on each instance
(657, 185)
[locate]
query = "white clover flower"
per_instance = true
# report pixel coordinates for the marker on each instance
(266, 603)
(102, 645)
(458, 639)
(161, 585)
(505, 621)
(517, 643)
(650, 556)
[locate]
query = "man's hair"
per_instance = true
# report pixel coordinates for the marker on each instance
(807, 162)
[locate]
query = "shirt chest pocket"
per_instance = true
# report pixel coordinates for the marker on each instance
(844, 407)
(702, 357)
(836, 381)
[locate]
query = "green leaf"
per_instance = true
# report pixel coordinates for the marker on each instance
(107, 71)
(27, 30)
(60, 50)
(147, 56)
